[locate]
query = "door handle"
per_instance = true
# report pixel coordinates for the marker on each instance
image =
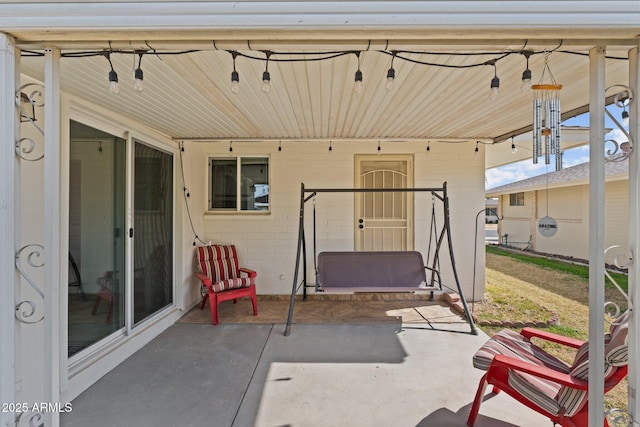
(360, 226)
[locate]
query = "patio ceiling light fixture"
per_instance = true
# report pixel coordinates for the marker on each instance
(235, 77)
(266, 76)
(357, 87)
(414, 57)
(138, 83)
(526, 74)
(113, 76)
(391, 76)
(494, 93)
(546, 104)
(514, 149)
(625, 117)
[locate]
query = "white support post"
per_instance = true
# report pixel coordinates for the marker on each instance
(52, 256)
(9, 64)
(596, 235)
(634, 238)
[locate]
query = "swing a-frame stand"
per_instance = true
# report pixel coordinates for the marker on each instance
(375, 271)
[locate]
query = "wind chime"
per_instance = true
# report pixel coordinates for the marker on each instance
(547, 118)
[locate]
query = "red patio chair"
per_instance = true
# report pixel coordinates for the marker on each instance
(542, 382)
(221, 278)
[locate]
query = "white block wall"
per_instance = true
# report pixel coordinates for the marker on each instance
(267, 242)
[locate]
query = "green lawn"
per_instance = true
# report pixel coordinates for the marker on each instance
(565, 267)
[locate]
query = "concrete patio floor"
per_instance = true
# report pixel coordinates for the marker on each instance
(389, 373)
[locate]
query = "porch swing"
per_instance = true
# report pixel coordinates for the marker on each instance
(375, 271)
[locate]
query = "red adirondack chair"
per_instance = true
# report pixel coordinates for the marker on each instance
(542, 382)
(220, 277)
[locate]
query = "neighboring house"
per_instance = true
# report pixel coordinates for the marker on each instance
(128, 182)
(491, 211)
(564, 196)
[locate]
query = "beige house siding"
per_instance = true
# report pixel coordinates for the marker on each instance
(267, 242)
(569, 206)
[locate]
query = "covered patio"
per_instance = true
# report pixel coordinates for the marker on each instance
(373, 373)
(316, 92)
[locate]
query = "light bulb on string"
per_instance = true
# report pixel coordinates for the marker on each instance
(477, 142)
(235, 77)
(113, 76)
(138, 83)
(494, 93)
(526, 74)
(266, 76)
(235, 82)
(514, 149)
(625, 117)
(357, 86)
(391, 76)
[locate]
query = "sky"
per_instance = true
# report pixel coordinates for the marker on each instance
(525, 169)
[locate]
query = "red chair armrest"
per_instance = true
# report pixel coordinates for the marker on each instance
(502, 364)
(248, 271)
(204, 279)
(549, 336)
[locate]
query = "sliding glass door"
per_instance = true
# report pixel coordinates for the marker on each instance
(96, 293)
(113, 286)
(152, 231)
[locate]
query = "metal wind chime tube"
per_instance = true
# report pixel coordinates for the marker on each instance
(537, 126)
(546, 119)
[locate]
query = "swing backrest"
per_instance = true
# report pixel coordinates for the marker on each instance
(371, 270)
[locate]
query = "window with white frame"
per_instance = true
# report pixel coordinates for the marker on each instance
(238, 184)
(516, 199)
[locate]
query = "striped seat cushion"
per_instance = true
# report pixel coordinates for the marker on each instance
(220, 264)
(538, 390)
(616, 355)
(512, 344)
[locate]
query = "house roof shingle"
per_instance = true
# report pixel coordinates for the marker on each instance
(574, 175)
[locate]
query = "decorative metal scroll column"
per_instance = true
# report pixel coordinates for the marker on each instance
(596, 234)
(634, 239)
(52, 224)
(9, 65)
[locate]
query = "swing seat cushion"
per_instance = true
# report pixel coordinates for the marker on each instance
(371, 271)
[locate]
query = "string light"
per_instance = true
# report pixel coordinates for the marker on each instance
(138, 83)
(625, 117)
(357, 87)
(379, 149)
(235, 77)
(514, 149)
(526, 74)
(266, 76)
(391, 76)
(230, 147)
(495, 83)
(477, 142)
(328, 55)
(113, 76)
(330, 147)
(279, 146)
(428, 147)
